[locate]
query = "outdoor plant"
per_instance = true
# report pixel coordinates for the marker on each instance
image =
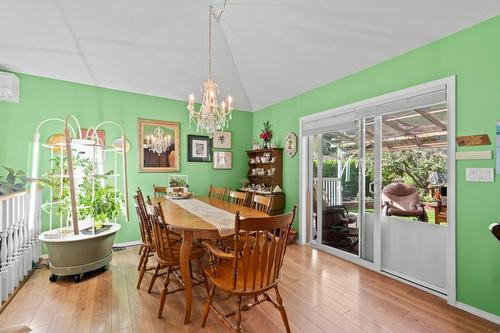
(15, 181)
(266, 133)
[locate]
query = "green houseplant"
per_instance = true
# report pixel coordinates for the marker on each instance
(102, 206)
(97, 199)
(15, 181)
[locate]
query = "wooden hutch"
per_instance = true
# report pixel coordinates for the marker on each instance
(258, 174)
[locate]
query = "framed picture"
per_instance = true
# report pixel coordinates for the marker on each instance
(178, 181)
(88, 133)
(158, 145)
(199, 148)
(223, 160)
(222, 140)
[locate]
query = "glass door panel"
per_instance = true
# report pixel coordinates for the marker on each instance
(315, 144)
(338, 189)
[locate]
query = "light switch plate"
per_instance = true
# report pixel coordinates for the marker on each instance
(483, 175)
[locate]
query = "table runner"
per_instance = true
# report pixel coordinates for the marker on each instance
(219, 218)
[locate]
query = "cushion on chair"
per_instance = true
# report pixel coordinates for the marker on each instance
(402, 196)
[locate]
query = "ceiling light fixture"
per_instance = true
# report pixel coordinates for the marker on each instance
(211, 116)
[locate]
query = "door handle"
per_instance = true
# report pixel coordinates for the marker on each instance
(371, 187)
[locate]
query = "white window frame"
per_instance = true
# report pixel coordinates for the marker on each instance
(449, 84)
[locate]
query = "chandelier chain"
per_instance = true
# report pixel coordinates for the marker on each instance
(212, 115)
(209, 42)
(216, 17)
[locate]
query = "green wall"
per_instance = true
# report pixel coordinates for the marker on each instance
(43, 98)
(473, 55)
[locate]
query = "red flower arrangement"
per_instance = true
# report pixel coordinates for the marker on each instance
(266, 134)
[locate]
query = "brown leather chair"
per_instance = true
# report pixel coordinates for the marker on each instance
(495, 230)
(403, 200)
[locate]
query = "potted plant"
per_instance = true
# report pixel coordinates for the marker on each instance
(99, 202)
(15, 181)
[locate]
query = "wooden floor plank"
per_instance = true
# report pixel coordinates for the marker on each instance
(321, 293)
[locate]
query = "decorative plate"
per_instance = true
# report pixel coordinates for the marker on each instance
(291, 144)
(56, 140)
(117, 144)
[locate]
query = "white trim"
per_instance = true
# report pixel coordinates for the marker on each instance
(478, 312)
(451, 251)
(346, 256)
(127, 244)
(441, 292)
(303, 185)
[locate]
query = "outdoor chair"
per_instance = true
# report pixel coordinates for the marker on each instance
(400, 199)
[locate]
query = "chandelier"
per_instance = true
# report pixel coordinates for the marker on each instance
(157, 142)
(211, 116)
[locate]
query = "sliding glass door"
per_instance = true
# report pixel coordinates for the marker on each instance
(378, 184)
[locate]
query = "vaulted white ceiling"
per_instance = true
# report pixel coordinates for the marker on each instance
(265, 50)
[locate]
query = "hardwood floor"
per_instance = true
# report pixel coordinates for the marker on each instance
(321, 293)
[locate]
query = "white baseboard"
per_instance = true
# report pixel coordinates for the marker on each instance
(127, 244)
(478, 312)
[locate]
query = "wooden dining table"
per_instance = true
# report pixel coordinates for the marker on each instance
(190, 227)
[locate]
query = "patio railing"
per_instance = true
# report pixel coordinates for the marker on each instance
(332, 190)
(19, 246)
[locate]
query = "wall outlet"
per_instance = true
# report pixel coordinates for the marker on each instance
(483, 175)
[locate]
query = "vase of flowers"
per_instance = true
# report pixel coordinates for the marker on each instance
(266, 133)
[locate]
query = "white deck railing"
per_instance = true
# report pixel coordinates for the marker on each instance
(19, 246)
(332, 190)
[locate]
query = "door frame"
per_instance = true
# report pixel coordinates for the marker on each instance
(304, 220)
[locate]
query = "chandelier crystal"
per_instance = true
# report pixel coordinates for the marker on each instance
(157, 142)
(211, 116)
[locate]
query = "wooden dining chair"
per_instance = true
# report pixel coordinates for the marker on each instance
(147, 247)
(219, 193)
(254, 272)
(159, 191)
(167, 254)
(238, 198)
(262, 203)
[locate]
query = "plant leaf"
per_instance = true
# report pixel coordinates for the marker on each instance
(11, 179)
(9, 170)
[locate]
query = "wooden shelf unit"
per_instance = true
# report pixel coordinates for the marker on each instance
(277, 199)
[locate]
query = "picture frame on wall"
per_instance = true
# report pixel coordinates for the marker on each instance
(158, 145)
(222, 160)
(199, 148)
(90, 133)
(222, 140)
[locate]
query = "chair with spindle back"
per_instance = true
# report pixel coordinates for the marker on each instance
(217, 192)
(167, 253)
(262, 203)
(256, 270)
(238, 198)
(159, 191)
(147, 245)
(175, 239)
